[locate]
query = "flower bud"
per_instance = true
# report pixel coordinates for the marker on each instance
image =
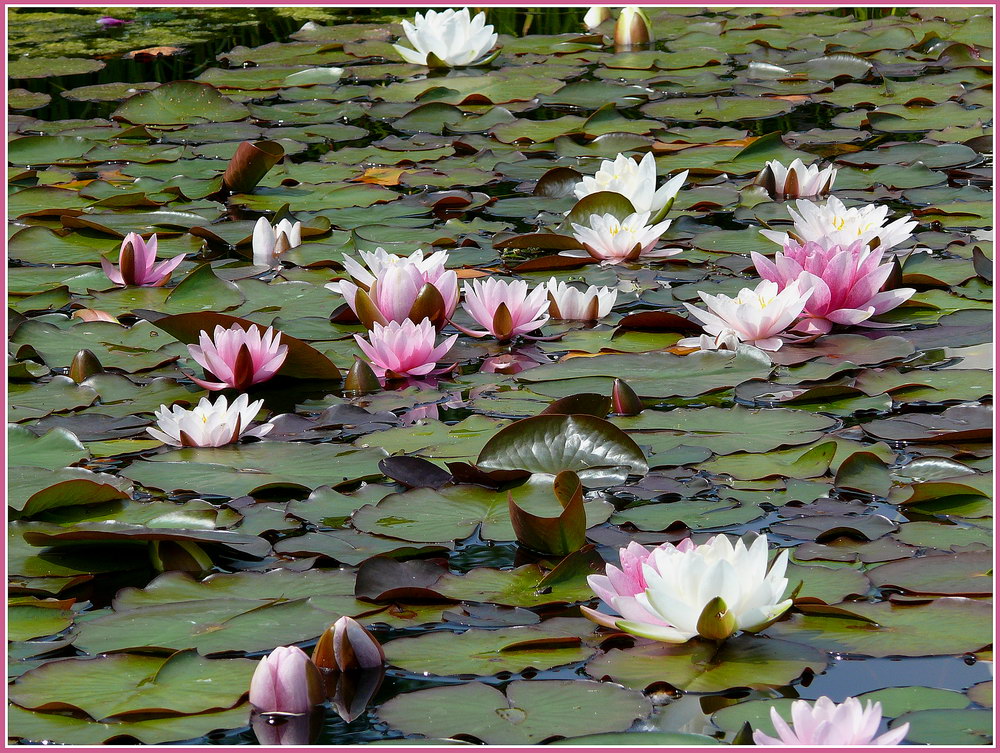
(633, 28)
(286, 682)
(716, 622)
(596, 16)
(361, 379)
(346, 645)
(84, 365)
(624, 401)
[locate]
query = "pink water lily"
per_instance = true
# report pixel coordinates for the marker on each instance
(618, 587)
(286, 681)
(237, 357)
(401, 349)
(505, 309)
(756, 316)
(137, 265)
(846, 282)
(391, 288)
(829, 723)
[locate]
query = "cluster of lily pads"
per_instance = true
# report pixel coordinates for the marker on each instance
(431, 444)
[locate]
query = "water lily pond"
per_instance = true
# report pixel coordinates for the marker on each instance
(320, 313)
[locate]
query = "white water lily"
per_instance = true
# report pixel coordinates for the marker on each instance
(636, 181)
(270, 242)
(451, 37)
(713, 590)
(833, 224)
(797, 181)
(567, 302)
(208, 424)
(757, 316)
(613, 241)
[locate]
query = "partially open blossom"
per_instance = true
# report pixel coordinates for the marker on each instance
(829, 723)
(724, 339)
(756, 316)
(675, 593)
(403, 348)
(567, 302)
(636, 181)
(208, 424)
(505, 309)
(346, 645)
(845, 282)
(269, 243)
(613, 241)
(632, 28)
(797, 181)
(391, 288)
(287, 682)
(137, 265)
(448, 38)
(237, 357)
(596, 16)
(833, 224)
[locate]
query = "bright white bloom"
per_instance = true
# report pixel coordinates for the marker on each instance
(833, 224)
(567, 302)
(713, 590)
(208, 424)
(451, 36)
(613, 241)
(757, 316)
(636, 181)
(829, 723)
(597, 15)
(269, 243)
(797, 181)
(726, 339)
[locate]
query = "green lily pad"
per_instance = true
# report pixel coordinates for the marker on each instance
(179, 102)
(528, 713)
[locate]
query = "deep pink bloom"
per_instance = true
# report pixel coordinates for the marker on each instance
(137, 264)
(618, 587)
(845, 282)
(505, 309)
(237, 357)
(109, 21)
(403, 348)
(286, 681)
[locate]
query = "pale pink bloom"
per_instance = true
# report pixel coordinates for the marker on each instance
(109, 21)
(797, 181)
(829, 723)
(756, 316)
(566, 302)
(391, 288)
(617, 588)
(286, 682)
(505, 309)
(238, 358)
(833, 224)
(613, 241)
(208, 424)
(404, 348)
(845, 282)
(137, 265)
